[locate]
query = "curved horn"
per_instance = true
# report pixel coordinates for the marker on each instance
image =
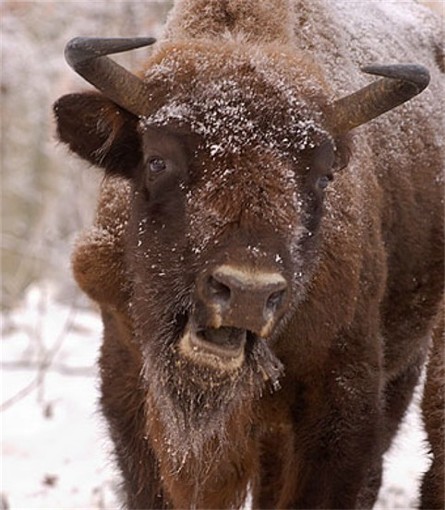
(400, 83)
(88, 57)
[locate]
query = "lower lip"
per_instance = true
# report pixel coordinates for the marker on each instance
(207, 353)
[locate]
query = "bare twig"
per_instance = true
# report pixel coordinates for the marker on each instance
(20, 395)
(59, 368)
(45, 363)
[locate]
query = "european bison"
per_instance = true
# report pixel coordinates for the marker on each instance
(267, 257)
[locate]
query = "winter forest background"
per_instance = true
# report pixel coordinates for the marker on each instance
(54, 446)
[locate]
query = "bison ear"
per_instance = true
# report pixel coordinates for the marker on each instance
(99, 131)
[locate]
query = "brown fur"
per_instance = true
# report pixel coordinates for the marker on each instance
(102, 276)
(433, 408)
(270, 21)
(365, 285)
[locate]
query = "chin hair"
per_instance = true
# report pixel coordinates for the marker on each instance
(201, 408)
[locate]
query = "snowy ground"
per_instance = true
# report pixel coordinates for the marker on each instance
(55, 452)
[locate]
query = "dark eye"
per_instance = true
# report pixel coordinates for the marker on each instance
(323, 181)
(157, 165)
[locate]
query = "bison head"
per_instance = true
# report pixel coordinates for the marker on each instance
(229, 151)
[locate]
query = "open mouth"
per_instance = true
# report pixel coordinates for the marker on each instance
(221, 347)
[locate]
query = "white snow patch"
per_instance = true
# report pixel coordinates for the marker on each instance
(406, 461)
(54, 447)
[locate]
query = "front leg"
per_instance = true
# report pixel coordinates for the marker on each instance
(320, 447)
(123, 405)
(337, 439)
(339, 471)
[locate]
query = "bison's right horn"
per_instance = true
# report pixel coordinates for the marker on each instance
(87, 56)
(400, 83)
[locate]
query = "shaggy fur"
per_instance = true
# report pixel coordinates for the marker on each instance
(270, 21)
(305, 420)
(102, 276)
(433, 405)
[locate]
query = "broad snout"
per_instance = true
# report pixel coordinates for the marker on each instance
(243, 298)
(234, 304)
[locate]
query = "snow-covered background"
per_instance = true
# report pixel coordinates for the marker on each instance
(55, 450)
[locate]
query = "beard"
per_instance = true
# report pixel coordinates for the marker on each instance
(202, 410)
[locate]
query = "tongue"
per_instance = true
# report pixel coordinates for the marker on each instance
(224, 337)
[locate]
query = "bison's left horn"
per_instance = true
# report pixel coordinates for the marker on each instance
(399, 84)
(88, 57)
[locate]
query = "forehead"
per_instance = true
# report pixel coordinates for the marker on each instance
(236, 99)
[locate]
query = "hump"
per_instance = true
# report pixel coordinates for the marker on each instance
(262, 21)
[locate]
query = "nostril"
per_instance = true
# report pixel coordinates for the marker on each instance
(275, 300)
(218, 290)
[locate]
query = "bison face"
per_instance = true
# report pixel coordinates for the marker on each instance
(229, 174)
(222, 242)
(221, 249)
(232, 236)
